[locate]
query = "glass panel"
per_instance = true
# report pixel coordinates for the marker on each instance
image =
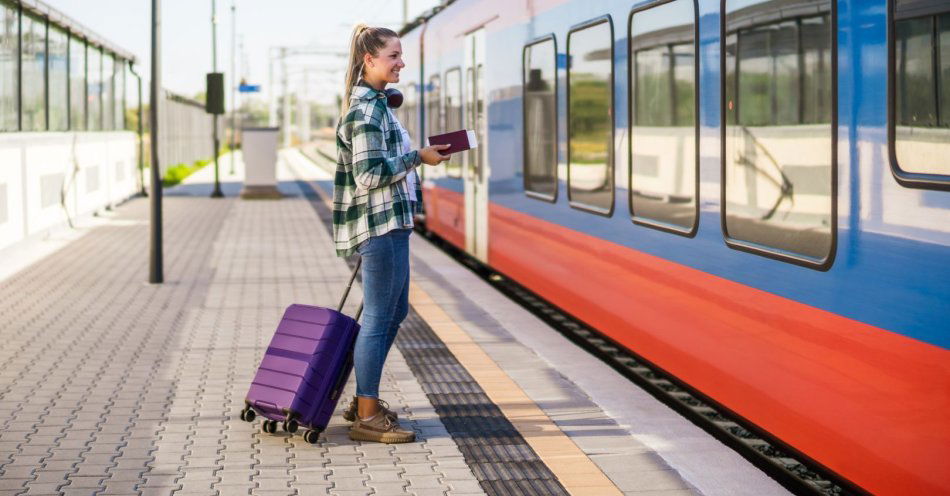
(433, 107)
(94, 89)
(481, 123)
(412, 112)
(58, 80)
(778, 133)
(77, 84)
(9, 82)
(120, 93)
(922, 95)
(944, 70)
(433, 119)
(663, 137)
(108, 92)
(916, 101)
(471, 154)
(33, 58)
(816, 57)
(590, 123)
(453, 117)
(540, 119)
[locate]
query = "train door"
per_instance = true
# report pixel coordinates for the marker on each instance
(476, 173)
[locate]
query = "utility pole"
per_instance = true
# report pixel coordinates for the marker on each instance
(214, 68)
(155, 271)
(303, 109)
(271, 94)
(285, 118)
(234, 81)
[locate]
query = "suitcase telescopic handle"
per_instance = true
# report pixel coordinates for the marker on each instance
(346, 292)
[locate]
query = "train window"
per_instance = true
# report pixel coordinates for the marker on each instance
(77, 84)
(94, 88)
(664, 130)
(58, 80)
(590, 176)
(33, 67)
(453, 116)
(779, 133)
(9, 68)
(433, 107)
(540, 118)
(920, 93)
(433, 115)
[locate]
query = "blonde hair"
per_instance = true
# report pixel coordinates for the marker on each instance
(365, 40)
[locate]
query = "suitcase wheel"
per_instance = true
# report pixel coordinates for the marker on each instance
(290, 426)
(312, 435)
(269, 426)
(248, 415)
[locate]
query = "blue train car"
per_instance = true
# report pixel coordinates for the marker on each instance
(751, 194)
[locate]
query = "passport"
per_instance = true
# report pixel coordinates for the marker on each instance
(459, 141)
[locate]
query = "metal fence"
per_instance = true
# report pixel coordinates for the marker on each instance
(185, 132)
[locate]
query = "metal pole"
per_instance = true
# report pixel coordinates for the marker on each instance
(272, 95)
(405, 12)
(233, 80)
(214, 68)
(155, 273)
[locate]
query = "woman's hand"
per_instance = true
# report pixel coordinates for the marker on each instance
(430, 155)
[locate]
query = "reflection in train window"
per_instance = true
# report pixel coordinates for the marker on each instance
(590, 176)
(922, 94)
(540, 119)
(453, 116)
(663, 136)
(778, 127)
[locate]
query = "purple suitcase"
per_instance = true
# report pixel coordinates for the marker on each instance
(303, 372)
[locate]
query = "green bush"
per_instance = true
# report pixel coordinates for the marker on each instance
(178, 173)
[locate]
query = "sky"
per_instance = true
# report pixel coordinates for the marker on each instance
(261, 24)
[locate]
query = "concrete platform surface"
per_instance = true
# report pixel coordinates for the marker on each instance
(110, 385)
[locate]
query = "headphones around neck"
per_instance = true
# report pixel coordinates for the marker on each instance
(393, 98)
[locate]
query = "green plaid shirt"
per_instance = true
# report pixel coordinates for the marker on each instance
(370, 193)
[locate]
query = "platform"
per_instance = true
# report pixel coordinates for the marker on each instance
(110, 385)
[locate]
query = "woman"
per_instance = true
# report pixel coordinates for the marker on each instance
(376, 192)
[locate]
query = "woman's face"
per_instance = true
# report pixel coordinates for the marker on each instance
(385, 66)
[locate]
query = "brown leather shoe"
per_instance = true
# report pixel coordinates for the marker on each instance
(380, 429)
(350, 413)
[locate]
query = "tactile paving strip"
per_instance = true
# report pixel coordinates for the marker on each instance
(498, 455)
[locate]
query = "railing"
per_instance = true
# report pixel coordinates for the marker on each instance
(185, 131)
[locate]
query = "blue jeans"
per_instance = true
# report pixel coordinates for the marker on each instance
(385, 305)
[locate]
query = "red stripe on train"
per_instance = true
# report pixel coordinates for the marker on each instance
(867, 403)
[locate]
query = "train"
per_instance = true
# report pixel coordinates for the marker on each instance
(752, 195)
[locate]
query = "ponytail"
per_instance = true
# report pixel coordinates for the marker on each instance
(364, 40)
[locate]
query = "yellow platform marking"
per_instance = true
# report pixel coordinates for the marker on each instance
(576, 472)
(573, 469)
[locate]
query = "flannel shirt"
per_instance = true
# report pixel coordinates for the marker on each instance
(370, 193)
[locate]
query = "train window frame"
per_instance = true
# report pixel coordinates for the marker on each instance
(524, 120)
(778, 254)
(445, 110)
(917, 180)
(643, 221)
(611, 157)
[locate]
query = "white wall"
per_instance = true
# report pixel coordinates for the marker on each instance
(46, 176)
